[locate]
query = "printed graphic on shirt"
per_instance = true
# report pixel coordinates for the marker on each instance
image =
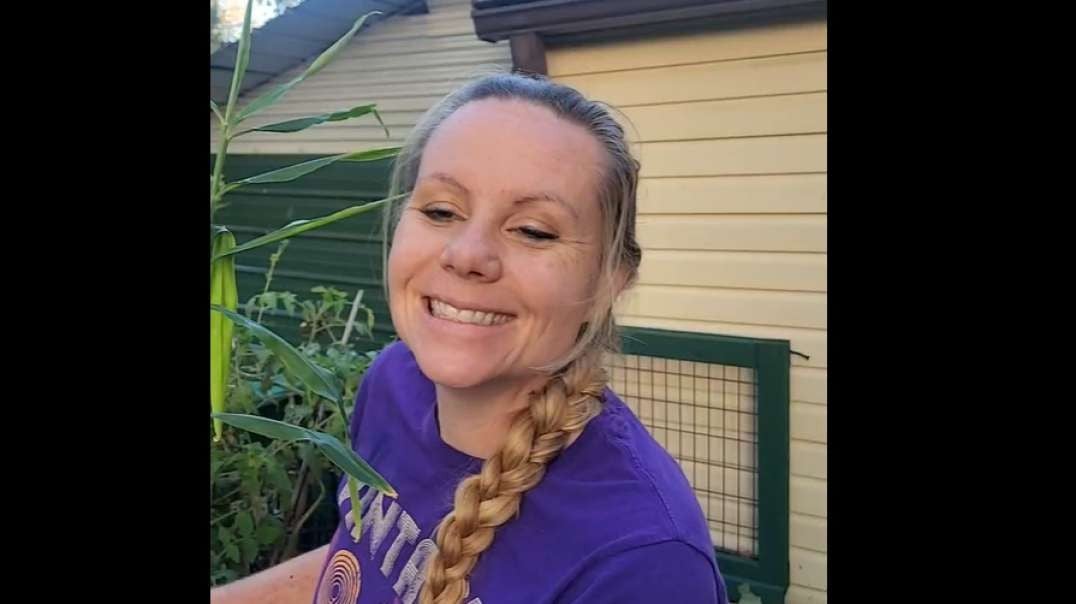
(392, 538)
(342, 580)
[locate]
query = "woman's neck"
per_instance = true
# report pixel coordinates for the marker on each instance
(476, 420)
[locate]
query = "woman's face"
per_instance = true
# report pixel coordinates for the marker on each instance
(496, 254)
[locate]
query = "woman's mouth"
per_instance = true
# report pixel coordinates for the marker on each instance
(448, 312)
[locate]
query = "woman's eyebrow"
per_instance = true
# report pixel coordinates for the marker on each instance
(448, 180)
(547, 197)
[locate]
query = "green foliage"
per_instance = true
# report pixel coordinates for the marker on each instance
(290, 403)
(265, 492)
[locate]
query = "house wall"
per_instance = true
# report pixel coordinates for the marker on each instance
(730, 127)
(404, 64)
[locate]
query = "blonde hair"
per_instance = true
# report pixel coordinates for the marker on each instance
(559, 412)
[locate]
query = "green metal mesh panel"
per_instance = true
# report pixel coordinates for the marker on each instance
(706, 416)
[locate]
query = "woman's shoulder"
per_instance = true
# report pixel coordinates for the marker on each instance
(614, 502)
(621, 438)
(622, 472)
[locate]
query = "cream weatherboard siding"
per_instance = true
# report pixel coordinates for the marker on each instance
(403, 64)
(730, 127)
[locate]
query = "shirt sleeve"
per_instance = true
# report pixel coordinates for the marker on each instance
(670, 571)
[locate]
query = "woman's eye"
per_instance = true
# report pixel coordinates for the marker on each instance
(537, 235)
(439, 214)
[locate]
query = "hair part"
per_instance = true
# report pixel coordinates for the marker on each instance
(559, 412)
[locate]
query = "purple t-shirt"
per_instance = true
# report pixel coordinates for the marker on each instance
(614, 518)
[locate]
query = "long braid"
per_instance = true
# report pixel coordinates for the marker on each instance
(484, 501)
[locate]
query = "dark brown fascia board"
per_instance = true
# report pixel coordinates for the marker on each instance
(497, 20)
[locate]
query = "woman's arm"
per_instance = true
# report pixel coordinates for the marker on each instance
(291, 582)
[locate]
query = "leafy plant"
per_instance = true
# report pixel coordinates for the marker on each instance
(302, 371)
(264, 493)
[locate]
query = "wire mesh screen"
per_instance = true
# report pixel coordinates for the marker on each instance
(706, 416)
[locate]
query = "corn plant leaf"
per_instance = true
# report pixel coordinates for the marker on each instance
(267, 99)
(301, 226)
(264, 426)
(290, 173)
(242, 60)
(380, 121)
(356, 508)
(303, 123)
(314, 377)
(222, 293)
(216, 110)
(346, 459)
(341, 456)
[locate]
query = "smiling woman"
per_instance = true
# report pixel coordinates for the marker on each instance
(482, 232)
(521, 476)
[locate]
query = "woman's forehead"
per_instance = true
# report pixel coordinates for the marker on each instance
(515, 145)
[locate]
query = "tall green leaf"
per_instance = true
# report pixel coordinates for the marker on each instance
(324, 59)
(242, 59)
(290, 173)
(341, 456)
(318, 380)
(222, 293)
(356, 508)
(303, 123)
(301, 226)
(380, 121)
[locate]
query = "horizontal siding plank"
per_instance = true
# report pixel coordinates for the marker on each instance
(808, 532)
(355, 88)
(476, 55)
(807, 496)
(764, 155)
(417, 71)
(808, 422)
(798, 594)
(749, 270)
(786, 193)
(366, 47)
(811, 342)
(808, 384)
(766, 233)
(808, 459)
(675, 49)
(794, 309)
(443, 25)
(789, 114)
(807, 568)
(707, 81)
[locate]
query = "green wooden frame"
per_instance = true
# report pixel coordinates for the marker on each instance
(768, 574)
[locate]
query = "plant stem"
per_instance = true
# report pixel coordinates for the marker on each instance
(351, 317)
(293, 538)
(273, 259)
(215, 193)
